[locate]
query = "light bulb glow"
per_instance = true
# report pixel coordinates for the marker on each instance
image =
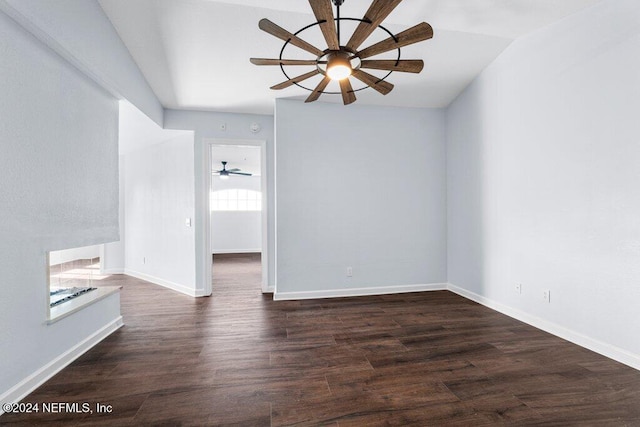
(224, 176)
(339, 66)
(338, 72)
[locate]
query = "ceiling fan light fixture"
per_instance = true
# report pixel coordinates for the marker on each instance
(339, 62)
(339, 66)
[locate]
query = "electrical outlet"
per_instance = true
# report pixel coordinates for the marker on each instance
(546, 295)
(519, 288)
(349, 271)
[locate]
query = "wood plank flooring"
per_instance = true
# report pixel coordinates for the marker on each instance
(239, 358)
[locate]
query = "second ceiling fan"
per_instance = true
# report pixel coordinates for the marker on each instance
(224, 172)
(339, 62)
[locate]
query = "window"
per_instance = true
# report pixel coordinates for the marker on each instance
(236, 199)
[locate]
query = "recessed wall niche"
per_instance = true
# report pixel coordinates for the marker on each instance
(72, 273)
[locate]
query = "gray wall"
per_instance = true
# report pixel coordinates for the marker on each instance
(543, 180)
(58, 189)
(361, 187)
(81, 33)
(159, 197)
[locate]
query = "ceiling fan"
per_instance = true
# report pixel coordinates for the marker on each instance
(224, 172)
(339, 62)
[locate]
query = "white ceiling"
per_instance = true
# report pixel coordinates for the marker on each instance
(195, 53)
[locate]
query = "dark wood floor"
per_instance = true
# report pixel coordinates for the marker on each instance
(412, 359)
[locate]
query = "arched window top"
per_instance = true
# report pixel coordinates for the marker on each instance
(236, 199)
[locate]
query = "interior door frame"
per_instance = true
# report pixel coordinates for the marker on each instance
(209, 144)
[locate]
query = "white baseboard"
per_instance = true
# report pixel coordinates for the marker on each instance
(166, 283)
(357, 292)
(237, 251)
(35, 380)
(608, 350)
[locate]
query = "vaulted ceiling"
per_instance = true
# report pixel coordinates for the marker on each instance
(195, 53)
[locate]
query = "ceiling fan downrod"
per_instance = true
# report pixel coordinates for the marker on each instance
(338, 3)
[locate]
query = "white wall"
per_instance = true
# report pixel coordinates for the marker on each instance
(66, 255)
(58, 189)
(207, 125)
(543, 177)
(159, 197)
(236, 231)
(112, 254)
(82, 34)
(363, 187)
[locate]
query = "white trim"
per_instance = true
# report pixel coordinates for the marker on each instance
(274, 214)
(608, 350)
(35, 380)
(207, 271)
(237, 251)
(81, 302)
(357, 292)
(208, 144)
(166, 283)
(264, 176)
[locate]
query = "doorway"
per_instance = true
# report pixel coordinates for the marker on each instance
(236, 217)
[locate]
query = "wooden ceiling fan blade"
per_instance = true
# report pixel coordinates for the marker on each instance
(415, 34)
(403, 65)
(318, 90)
(279, 32)
(348, 96)
(377, 13)
(233, 170)
(267, 61)
(323, 11)
(294, 80)
(239, 173)
(374, 82)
